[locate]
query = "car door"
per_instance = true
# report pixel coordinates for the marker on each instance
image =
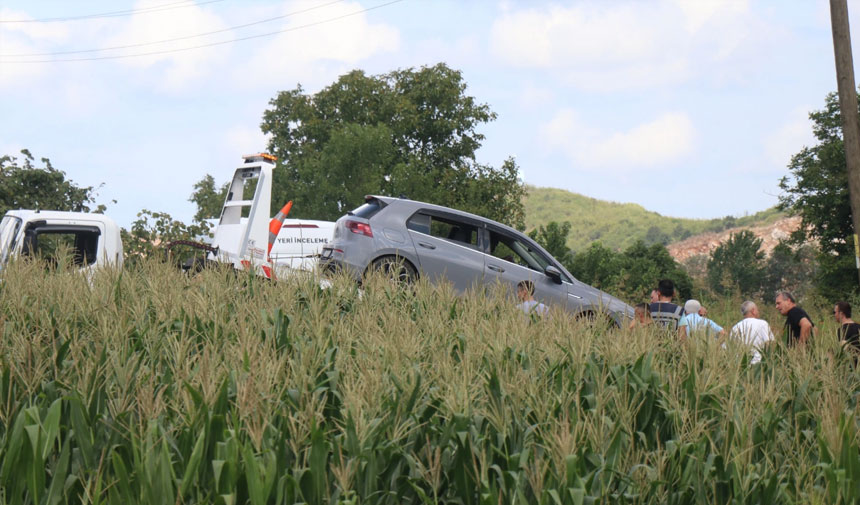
(512, 258)
(447, 247)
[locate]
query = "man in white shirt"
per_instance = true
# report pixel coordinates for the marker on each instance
(525, 293)
(752, 331)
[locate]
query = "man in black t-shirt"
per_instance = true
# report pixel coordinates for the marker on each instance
(798, 325)
(849, 332)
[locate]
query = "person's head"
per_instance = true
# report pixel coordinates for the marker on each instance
(525, 290)
(842, 311)
(784, 302)
(692, 307)
(749, 309)
(666, 289)
(655, 296)
(642, 312)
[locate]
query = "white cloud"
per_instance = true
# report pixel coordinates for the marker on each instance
(20, 39)
(532, 96)
(787, 140)
(245, 140)
(29, 30)
(615, 45)
(315, 53)
(170, 71)
(663, 140)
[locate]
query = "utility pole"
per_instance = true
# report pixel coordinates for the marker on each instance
(848, 108)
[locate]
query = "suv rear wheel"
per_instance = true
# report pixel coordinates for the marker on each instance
(395, 268)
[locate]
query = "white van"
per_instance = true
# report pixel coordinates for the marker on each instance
(300, 242)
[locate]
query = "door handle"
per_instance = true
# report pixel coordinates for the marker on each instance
(426, 245)
(496, 268)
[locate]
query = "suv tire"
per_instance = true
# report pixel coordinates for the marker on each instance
(395, 268)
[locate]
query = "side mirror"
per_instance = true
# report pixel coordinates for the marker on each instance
(553, 273)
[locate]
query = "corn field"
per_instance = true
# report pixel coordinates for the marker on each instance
(147, 386)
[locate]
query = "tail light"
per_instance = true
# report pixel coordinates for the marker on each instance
(360, 228)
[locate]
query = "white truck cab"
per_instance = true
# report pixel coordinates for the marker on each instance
(93, 239)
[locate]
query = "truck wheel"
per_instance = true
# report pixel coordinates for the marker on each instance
(395, 268)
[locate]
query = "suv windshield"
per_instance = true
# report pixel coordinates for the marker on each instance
(8, 232)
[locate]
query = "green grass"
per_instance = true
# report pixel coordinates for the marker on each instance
(150, 387)
(619, 225)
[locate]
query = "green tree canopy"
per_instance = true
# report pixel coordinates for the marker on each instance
(23, 185)
(553, 238)
(411, 132)
(630, 274)
(817, 191)
(737, 264)
(208, 198)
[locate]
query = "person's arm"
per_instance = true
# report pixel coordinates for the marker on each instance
(718, 330)
(682, 333)
(805, 330)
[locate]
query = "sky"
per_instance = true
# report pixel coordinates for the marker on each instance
(688, 108)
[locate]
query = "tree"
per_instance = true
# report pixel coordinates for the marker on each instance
(817, 191)
(410, 132)
(26, 186)
(209, 200)
(151, 231)
(737, 264)
(655, 235)
(790, 269)
(631, 274)
(553, 238)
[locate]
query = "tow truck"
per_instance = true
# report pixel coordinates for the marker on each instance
(245, 237)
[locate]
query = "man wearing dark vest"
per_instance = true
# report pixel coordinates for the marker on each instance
(666, 313)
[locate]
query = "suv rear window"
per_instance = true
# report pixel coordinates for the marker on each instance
(369, 209)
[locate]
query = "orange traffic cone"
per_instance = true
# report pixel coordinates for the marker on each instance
(275, 225)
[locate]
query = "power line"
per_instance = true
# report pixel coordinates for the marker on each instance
(201, 46)
(113, 14)
(142, 44)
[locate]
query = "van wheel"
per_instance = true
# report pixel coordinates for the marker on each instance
(395, 268)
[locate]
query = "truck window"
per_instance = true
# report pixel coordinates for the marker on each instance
(8, 237)
(48, 242)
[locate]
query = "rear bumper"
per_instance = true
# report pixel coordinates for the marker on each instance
(333, 261)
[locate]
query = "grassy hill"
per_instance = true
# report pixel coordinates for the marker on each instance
(618, 225)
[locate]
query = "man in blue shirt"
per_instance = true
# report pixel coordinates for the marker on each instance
(698, 323)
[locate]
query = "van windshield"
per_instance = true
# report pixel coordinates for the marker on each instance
(8, 233)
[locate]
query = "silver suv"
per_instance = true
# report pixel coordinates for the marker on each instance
(408, 238)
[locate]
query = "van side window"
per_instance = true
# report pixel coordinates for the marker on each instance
(452, 230)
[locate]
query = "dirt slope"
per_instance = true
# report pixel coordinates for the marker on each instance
(704, 243)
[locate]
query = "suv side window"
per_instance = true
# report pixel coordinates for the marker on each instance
(510, 248)
(447, 228)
